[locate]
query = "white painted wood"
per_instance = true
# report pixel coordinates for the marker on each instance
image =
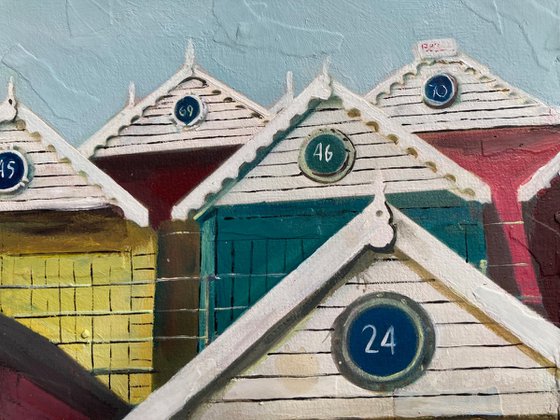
(484, 100)
(311, 276)
(159, 104)
(433, 383)
(384, 407)
(540, 180)
(101, 190)
(211, 191)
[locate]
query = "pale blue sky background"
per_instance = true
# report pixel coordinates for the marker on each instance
(73, 59)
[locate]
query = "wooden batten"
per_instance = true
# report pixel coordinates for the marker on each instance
(176, 323)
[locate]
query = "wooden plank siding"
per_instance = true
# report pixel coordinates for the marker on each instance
(483, 101)
(91, 295)
(227, 123)
(255, 246)
(278, 176)
(55, 183)
(477, 369)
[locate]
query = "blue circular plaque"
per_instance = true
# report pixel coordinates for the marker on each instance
(327, 155)
(383, 341)
(440, 90)
(189, 110)
(13, 170)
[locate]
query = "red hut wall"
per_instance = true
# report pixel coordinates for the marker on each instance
(160, 180)
(22, 399)
(504, 158)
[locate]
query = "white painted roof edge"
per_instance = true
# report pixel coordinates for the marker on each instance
(319, 88)
(540, 180)
(311, 275)
(131, 208)
(412, 69)
(125, 116)
(464, 179)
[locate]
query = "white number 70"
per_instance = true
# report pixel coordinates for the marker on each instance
(387, 341)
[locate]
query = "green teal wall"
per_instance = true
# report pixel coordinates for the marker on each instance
(248, 249)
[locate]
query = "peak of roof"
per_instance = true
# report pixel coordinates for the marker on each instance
(132, 112)
(114, 193)
(288, 302)
(322, 88)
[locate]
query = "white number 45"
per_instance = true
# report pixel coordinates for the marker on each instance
(387, 341)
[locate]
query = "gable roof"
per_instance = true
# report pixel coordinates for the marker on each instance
(257, 329)
(484, 100)
(63, 178)
(147, 126)
(463, 183)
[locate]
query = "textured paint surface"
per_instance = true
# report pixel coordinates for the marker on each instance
(73, 59)
(505, 159)
(22, 399)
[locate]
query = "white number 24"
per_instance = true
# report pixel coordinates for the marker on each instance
(387, 341)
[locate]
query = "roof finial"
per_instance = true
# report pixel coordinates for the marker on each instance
(383, 233)
(290, 84)
(189, 55)
(326, 67)
(131, 94)
(8, 110)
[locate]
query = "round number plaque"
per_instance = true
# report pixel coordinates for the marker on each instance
(189, 110)
(327, 155)
(440, 91)
(13, 170)
(383, 341)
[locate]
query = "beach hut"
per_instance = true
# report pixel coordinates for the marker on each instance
(382, 321)
(490, 128)
(300, 179)
(77, 255)
(159, 148)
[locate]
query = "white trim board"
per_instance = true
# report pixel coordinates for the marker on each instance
(131, 111)
(540, 180)
(283, 306)
(507, 106)
(131, 208)
(469, 186)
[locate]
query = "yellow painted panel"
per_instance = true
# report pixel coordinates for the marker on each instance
(102, 356)
(144, 275)
(47, 327)
(119, 355)
(82, 269)
(101, 298)
(141, 329)
(37, 267)
(83, 327)
(80, 352)
(142, 304)
(22, 272)
(68, 329)
(67, 299)
(120, 327)
(143, 261)
(52, 270)
(16, 301)
(120, 298)
(141, 351)
(8, 265)
(66, 264)
(140, 387)
(84, 299)
(102, 327)
(120, 268)
(101, 268)
(119, 385)
(104, 379)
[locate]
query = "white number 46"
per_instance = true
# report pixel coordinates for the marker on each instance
(387, 341)
(319, 153)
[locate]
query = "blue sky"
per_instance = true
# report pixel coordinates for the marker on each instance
(72, 60)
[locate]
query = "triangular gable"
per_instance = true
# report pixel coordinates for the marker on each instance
(232, 179)
(59, 177)
(483, 100)
(248, 339)
(148, 126)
